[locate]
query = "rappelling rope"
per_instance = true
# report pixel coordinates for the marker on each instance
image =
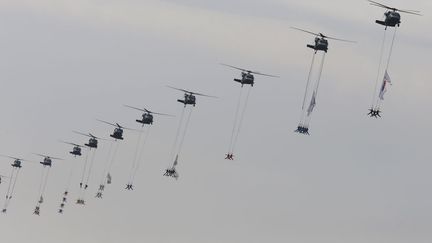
(178, 132)
(184, 132)
(374, 98)
(388, 61)
(241, 119)
(309, 77)
(11, 187)
(10, 182)
(107, 161)
(93, 155)
(85, 166)
(308, 80)
(137, 150)
(235, 120)
(41, 181)
(315, 90)
(139, 161)
(45, 181)
(113, 157)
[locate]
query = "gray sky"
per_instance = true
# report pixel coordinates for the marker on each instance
(355, 179)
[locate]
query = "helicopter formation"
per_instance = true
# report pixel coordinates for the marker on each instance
(189, 101)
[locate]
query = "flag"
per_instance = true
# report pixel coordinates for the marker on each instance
(383, 89)
(312, 104)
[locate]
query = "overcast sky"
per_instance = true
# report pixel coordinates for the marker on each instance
(355, 179)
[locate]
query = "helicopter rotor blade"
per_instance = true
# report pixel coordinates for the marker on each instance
(87, 135)
(148, 111)
(267, 75)
(211, 96)
(377, 4)
(186, 91)
(161, 114)
(190, 92)
(332, 38)
(414, 12)
(241, 69)
(310, 32)
(249, 71)
(136, 108)
(74, 144)
(11, 157)
(47, 156)
(109, 123)
(380, 5)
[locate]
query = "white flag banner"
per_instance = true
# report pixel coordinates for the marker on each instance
(383, 89)
(312, 104)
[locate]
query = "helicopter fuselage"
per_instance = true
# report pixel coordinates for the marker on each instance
(321, 44)
(247, 78)
(17, 163)
(147, 118)
(189, 99)
(92, 143)
(117, 134)
(392, 18)
(76, 151)
(46, 162)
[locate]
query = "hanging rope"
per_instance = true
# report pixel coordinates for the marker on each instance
(236, 114)
(93, 155)
(42, 181)
(307, 91)
(374, 97)
(391, 49)
(379, 103)
(45, 181)
(114, 155)
(178, 132)
(10, 181)
(141, 153)
(241, 120)
(11, 187)
(308, 80)
(137, 149)
(316, 88)
(184, 132)
(85, 167)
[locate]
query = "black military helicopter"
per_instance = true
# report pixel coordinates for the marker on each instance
(76, 151)
(189, 96)
(147, 116)
(17, 163)
(118, 131)
(93, 141)
(47, 161)
(321, 42)
(392, 17)
(247, 76)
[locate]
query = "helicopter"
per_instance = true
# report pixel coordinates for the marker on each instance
(147, 116)
(17, 163)
(321, 42)
(93, 141)
(76, 151)
(392, 17)
(118, 131)
(47, 161)
(189, 96)
(247, 76)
